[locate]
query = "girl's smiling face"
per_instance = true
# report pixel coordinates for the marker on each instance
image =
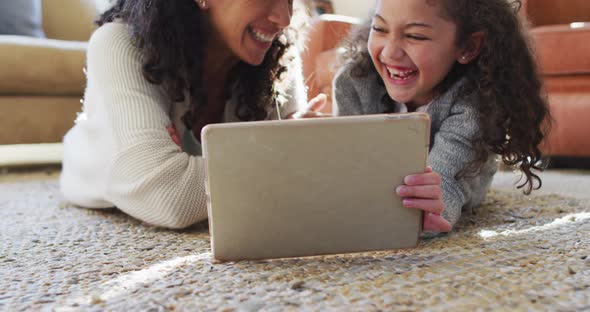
(413, 48)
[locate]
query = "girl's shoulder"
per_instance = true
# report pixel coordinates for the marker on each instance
(351, 75)
(455, 99)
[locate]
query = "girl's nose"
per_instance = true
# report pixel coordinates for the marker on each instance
(281, 12)
(393, 51)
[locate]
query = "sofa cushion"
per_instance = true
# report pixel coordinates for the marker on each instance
(327, 64)
(563, 49)
(21, 17)
(36, 119)
(326, 32)
(570, 126)
(69, 19)
(554, 12)
(39, 66)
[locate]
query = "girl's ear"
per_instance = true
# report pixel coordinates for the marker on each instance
(472, 47)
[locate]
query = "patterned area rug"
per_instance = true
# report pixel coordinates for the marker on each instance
(514, 253)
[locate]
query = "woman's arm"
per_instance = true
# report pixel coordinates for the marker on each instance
(150, 178)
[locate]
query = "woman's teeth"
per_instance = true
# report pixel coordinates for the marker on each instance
(261, 36)
(400, 75)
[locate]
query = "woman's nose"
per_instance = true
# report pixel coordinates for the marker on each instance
(281, 12)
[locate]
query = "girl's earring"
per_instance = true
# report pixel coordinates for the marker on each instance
(203, 4)
(463, 59)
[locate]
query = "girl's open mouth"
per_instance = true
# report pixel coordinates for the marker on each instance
(397, 74)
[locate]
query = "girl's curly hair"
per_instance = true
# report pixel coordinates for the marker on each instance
(513, 111)
(170, 37)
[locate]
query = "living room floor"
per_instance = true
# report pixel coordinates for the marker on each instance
(515, 253)
(565, 182)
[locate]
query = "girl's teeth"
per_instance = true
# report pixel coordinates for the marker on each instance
(262, 37)
(403, 75)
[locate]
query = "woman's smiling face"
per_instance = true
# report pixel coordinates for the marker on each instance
(413, 48)
(247, 28)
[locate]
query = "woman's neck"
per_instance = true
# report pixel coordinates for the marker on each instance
(217, 67)
(218, 61)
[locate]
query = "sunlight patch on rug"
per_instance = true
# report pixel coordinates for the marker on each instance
(127, 283)
(568, 219)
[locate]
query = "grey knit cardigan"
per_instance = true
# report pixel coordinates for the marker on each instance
(454, 124)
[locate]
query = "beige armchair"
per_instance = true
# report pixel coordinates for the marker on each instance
(42, 79)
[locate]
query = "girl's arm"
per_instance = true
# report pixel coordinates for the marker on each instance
(451, 152)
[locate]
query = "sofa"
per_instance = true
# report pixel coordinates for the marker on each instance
(322, 53)
(561, 34)
(42, 79)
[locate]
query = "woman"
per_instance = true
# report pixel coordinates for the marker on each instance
(158, 71)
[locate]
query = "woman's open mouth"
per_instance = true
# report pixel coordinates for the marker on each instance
(262, 37)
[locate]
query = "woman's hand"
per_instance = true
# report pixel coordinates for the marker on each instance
(423, 191)
(173, 132)
(313, 108)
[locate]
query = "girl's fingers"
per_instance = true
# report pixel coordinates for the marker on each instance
(429, 205)
(312, 109)
(310, 114)
(317, 103)
(421, 191)
(423, 179)
(436, 223)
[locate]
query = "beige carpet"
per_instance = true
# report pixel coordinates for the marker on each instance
(516, 253)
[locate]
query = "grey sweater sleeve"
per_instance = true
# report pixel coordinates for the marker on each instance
(347, 101)
(450, 153)
(454, 124)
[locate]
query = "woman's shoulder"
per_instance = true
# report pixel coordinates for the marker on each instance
(111, 35)
(112, 45)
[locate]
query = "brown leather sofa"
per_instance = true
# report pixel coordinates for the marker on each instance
(321, 56)
(561, 43)
(561, 34)
(42, 79)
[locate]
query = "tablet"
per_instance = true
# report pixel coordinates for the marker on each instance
(316, 186)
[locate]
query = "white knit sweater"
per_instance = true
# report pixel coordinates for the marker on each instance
(119, 152)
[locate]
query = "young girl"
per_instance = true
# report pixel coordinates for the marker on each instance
(468, 65)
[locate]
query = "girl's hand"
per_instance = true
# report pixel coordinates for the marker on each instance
(423, 191)
(313, 108)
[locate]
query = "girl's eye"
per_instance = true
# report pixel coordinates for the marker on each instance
(417, 37)
(377, 29)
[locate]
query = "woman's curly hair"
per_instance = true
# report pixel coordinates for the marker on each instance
(513, 111)
(170, 37)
